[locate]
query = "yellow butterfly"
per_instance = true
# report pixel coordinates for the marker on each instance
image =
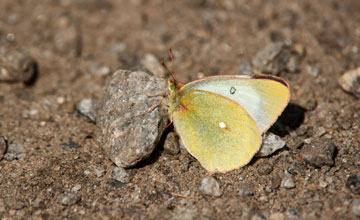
(221, 119)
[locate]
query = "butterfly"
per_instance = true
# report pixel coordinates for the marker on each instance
(221, 119)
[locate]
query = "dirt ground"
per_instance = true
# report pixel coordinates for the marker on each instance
(58, 170)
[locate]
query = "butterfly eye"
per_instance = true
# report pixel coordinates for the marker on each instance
(172, 87)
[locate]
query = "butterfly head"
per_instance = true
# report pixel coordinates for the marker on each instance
(171, 85)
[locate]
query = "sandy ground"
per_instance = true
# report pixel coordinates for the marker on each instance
(58, 171)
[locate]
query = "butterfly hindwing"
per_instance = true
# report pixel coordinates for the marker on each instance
(216, 130)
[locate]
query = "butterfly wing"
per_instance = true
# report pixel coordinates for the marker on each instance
(216, 130)
(263, 96)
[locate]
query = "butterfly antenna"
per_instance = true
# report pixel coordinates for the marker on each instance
(172, 61)
(168, 70)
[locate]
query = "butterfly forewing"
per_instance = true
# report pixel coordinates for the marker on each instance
(263, 97)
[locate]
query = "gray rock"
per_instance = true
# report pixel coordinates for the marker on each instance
(350, 82)
(356, 207)
(87, 108)
(171, 144)
(121, 175)
(126, 129)
(152, 64)
(277, 57)
(245, 68)
(319, 153)
(16, 66)
(13, 151)
(271, 143)
(69, 198)
(3, 146)
(210, 187)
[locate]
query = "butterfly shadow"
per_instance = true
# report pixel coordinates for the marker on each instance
(291, 118)
(158, 150)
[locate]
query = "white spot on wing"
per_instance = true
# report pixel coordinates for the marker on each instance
(222, 125)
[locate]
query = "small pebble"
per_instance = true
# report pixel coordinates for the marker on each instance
(350, 82)
(98, 69)
(152, 64)
(308, 140)
(293, 213)
(87, 108)
(287, 182)
(210, 187)
(356, 207)
(320, 131)
(257, 215)
(76, 188)
(277, 216)
(323, 184)
(185, 213)
(329, 179)
(69, 198)
(16, 66)
(265, 168)
(277, 57)
(3, 147)
(313, 71)
(245, 68)
(117, 47)
(67, 40)
(296, 167)
(115, 183)
(60, 100)
(185, 164)
(319, 153)
(69, 145)
(246, 191)
(121, 175)
(99, 172)
(271, 143)
(353, 184)
(171, 145)
(14, 151)
(14, 203)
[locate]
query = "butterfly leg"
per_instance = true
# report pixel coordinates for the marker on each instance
(150, 110)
